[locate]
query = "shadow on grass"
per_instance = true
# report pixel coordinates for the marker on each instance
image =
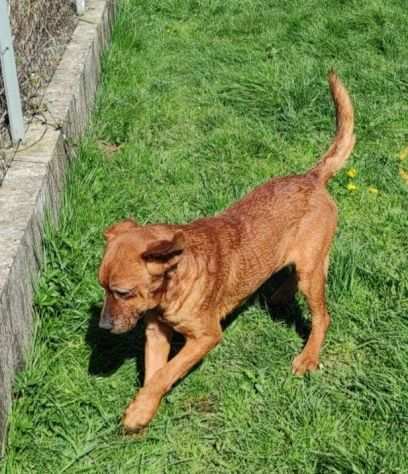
(109, 352)
(278, 297)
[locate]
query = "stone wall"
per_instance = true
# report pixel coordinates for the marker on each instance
(33, 185)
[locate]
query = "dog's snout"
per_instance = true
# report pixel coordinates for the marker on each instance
(105, 321)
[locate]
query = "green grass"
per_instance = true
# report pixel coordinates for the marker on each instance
(201, 101)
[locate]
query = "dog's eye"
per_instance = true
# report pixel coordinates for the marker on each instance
(121, 293)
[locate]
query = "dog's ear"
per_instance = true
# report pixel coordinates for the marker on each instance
(116, 229)
(164, 254)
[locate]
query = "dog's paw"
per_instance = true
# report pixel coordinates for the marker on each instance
(139, 413)
(303, 363)
(136, 418)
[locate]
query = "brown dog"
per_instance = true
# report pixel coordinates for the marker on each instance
(187, 278)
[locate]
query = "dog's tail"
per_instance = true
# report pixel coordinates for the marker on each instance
(344, 140)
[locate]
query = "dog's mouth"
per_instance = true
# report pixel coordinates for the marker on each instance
(124, 323)
(121, 327)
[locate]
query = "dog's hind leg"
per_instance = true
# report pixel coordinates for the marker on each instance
(312, 285)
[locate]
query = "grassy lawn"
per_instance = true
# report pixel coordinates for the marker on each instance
(200, 102)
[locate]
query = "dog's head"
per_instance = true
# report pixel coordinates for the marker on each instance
(134, 271)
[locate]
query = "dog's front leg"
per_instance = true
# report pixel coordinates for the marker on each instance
(144, 407)
(157, 348)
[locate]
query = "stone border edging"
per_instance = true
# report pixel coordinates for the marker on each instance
(33, 185)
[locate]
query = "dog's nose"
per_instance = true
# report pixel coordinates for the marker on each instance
(105, 322)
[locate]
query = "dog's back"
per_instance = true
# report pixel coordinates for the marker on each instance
(288, 220)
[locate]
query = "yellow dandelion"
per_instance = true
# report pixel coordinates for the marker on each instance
(372, 189)
(403, 153)
(404, 175)
(351, 187)
(352, 173)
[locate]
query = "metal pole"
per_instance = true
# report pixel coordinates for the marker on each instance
(80, 6)
(8, 68)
